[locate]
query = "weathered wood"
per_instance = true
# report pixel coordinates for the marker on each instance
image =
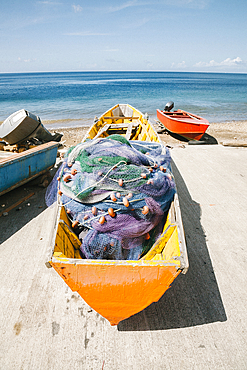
(120, 117)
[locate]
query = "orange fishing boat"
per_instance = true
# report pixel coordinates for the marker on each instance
(118, 289)
(182, 123)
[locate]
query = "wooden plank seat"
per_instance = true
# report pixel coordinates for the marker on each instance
(128, 127)
(120, 117)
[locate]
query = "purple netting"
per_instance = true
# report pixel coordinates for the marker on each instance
(132, 179)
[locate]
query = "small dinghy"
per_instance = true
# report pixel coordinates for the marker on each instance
(182, 123)
(27, 149)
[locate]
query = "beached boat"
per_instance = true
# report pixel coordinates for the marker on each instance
(18, 168)
(182, 123)
(118, 289)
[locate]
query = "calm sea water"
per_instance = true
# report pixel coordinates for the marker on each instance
(74, 98)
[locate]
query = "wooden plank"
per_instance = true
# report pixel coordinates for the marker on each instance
(129, 131)
(102, 130)
(120, 117)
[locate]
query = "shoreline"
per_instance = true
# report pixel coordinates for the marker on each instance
(233, 133)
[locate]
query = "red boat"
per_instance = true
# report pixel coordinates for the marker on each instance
(182, 123)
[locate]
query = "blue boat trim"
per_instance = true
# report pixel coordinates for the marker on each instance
(20, 168)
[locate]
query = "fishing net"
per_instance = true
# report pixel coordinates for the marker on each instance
(117, 194)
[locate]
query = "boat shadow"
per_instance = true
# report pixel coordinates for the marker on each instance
(31, 199)
(206, 139)
(194, 298)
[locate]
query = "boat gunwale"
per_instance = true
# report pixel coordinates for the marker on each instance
(29, 152)
(203, 122)
(183, 258)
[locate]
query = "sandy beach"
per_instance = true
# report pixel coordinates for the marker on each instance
(233, 133)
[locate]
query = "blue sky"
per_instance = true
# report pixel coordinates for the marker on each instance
(134, 35)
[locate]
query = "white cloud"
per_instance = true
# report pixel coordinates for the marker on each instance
(123, 6)
(26, 60)
(181, 65)
(228, 62)
(49, 2)
(199, 4)
(77, 8)
(149, 64)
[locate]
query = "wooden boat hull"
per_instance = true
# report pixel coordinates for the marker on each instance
(18, 168)
(119, 289)
(184, 124)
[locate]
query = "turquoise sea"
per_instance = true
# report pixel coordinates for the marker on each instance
(66, 99)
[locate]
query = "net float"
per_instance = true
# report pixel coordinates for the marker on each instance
(58, 178)
(69, 164)
(60, 192)
(111, 212)
(102, 220)
(100, 173)
(94, 211)
(113, 197)
(145, 210)
(120, 182)
(85, 217)
(150, 169)
(73, 172)
(144, 175)
(68, 211)
(129, 196)
(155, 165)
(67, 178)
(118, 195)
(75, 224)
(126, 202)
(150, 182)
(99, 159)
(147, 236)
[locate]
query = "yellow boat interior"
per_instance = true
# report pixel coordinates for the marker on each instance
(118, 289)
(170, 249)
(124, 120)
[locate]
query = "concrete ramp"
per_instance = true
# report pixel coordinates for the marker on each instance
(200, 323)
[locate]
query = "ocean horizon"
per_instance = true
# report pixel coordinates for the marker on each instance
(72, 99)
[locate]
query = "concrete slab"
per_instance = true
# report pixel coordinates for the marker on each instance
(200, 323)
